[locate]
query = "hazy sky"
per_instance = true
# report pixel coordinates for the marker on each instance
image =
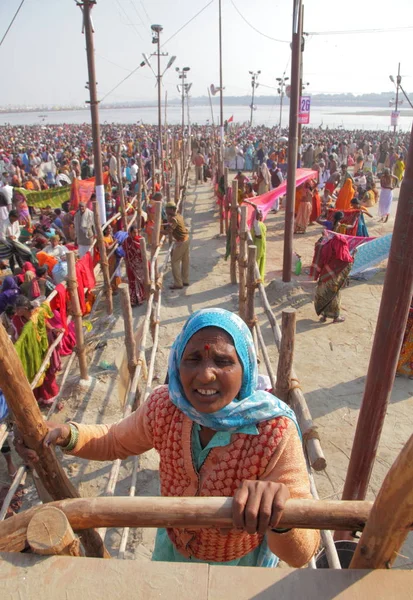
(43, 57)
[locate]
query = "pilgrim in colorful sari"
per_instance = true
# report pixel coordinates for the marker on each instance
(331, 267)
(35, 336)
(216, 435)
(345, 196)
(259, 239)
(361, 230)
(134, 266)
(302, 219)
(405, 364)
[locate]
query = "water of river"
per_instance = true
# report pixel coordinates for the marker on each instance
(331, 116)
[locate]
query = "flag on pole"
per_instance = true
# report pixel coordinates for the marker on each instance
(230, 120)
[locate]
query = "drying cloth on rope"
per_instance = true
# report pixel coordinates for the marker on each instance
(266, 201)
(353, 241)
(371, 254)
(53, 197)
(82, 189)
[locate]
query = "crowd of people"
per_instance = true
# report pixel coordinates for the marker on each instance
(217, 427)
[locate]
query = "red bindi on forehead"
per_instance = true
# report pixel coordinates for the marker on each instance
(207, 347)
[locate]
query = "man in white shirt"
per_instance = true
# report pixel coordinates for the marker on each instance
(55, 249)
(133, 169)
(9, 236)
(9, 228)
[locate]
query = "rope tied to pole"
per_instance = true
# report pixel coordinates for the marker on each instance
(254, 285)
(252, 322)
(310, 434)
(71, 284)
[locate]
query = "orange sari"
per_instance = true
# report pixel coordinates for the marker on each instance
(345, 196)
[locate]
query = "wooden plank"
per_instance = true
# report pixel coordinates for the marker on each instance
(184, 512)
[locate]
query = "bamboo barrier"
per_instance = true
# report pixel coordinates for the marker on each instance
(77, 315)
(185, 512)
(17, 480)
(226, 186)
(326, 535)
(120, 183)
(285, 360)
(128, 326)
(234, 232)
(32, 428)
(390, 519)
(251, 286)
(3, 434)
(296, 397)
(104, 265)
(242, 264)
(49, 533)
(148, 389)
(266, 357)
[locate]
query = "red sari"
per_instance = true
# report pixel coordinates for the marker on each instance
(134, 269)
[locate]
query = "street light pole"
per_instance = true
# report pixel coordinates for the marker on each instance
(254, 85)
(182, 76)
(398, 82)
(221, 88)
(86, 7)
(281, 85)
(292, 141)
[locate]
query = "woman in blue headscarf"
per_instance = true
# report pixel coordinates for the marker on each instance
(217, 435)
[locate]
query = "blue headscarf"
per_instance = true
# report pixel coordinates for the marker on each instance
(252, 406)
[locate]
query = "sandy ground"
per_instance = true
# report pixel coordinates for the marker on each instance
(331, 361)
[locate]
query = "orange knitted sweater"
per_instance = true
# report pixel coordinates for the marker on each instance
(273, 455)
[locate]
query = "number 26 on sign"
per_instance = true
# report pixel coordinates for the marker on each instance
(304, 114)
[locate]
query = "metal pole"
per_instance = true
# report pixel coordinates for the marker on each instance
(281, 102)
(397, 94)
(252, 98)
(183, 102)
(390, 328)
(212, 111)
(292, 142)
(221, 92)
(300, 127)
(159, 104)
(94, 112)
(188, 119)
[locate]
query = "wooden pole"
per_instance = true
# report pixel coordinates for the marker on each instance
(157, 227)
(286, 356)
(177, 180)
(391, 324)
(292, 141)
(251, 285)
(234, 232)
(104, 265)
(189, 512)
(33, 429)
(390, 518)
(128, 322)
(168, 191)
(49, 532)
(120, 190)
(77, 314)
(242, 263)
(265, 354)
(145, 264)
(297, 400)
(226, 185)
(153, 167)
